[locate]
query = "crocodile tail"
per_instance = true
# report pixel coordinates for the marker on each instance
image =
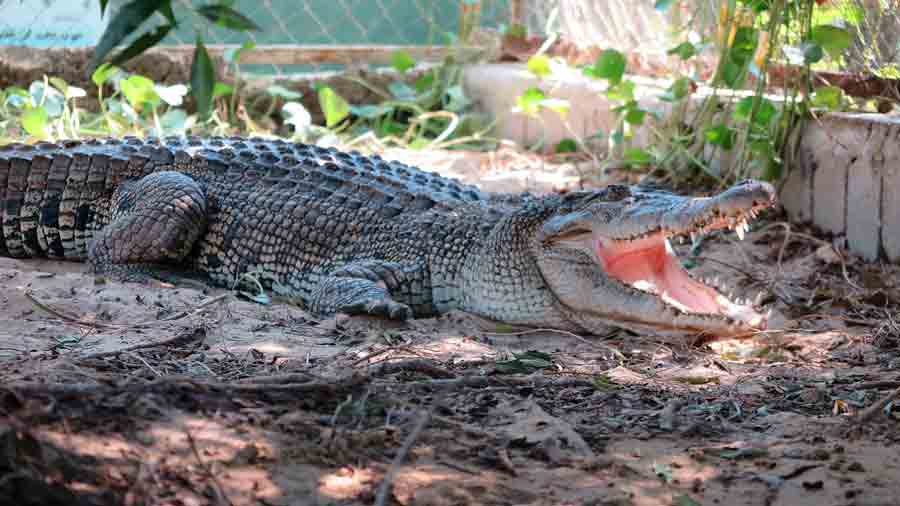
(53, 196)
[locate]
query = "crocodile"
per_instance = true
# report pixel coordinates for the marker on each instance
(343, 232)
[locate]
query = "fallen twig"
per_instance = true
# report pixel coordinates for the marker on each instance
(195, 335)
(419, 365)
(618, 354)
(95, 324)
(385, 488)
(874, 409)
(499, 381)
(274, 379)
(219, 490)
(163, 383)
(667, 415)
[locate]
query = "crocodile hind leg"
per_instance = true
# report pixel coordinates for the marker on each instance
(365, 288)
(154, 224)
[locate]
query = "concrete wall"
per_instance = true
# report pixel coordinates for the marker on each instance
(846, 180)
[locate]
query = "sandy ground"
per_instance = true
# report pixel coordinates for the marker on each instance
(125, 394)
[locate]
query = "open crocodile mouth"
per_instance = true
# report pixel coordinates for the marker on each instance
(649, 263)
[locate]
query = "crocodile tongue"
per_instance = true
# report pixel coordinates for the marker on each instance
(651, 265)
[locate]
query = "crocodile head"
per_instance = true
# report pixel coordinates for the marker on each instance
(608, 260)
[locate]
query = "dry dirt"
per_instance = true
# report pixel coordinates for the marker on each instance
(126, 394)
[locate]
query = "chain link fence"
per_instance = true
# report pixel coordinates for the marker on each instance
(342, 22)
(633, 26)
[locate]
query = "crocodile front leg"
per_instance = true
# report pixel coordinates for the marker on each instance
(155, 222)
(371, 288)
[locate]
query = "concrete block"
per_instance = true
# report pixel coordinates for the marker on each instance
(864, 194)
(829, 195)
(890, 197)
(796, 189)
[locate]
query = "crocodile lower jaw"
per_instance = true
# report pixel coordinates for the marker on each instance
(650, 264)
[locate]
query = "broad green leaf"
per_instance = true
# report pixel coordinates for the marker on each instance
(203, 79)
(221, 89)
(139, 90)
(623, 91)
(663, 471)
(295, 114)
(772, 170)
(174, 120)
(402, 91)
(833, 39)
(75, 92)
(18, 97)
(637, 156)
(60, 84)
(425, 81)
(524, 363)
(733, 75)
(559, 105)
(742, 453)
(720, 135)
(757, 6)
(812, 52)
(516, 30)
(402, 61)
(50, 98)
(333, 106)
(764, 113)
(233, 54)
(371, 111)
(128, 19)
(567, 146)
(226, 16)
(103, 73)
(458, 100)
(34, 121)
(685, 50)
(172, 95)
(539, 65)
(662, 5)
(610, 65)
(743, 46)
(530, 100)
(806, 54)
(260, 298)
(141, 44)
(167, 12)
(684, 500)
(635, 116)
(617, 137)
(678, 90)
(277, 90)
(829, 97)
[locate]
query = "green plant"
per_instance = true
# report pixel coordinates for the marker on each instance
(738, 118)
(133, 14)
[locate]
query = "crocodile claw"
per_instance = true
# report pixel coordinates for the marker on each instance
(386, 308)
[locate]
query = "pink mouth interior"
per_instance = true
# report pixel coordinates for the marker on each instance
(651, 265)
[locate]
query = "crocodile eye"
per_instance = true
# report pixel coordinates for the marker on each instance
(616, 192)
